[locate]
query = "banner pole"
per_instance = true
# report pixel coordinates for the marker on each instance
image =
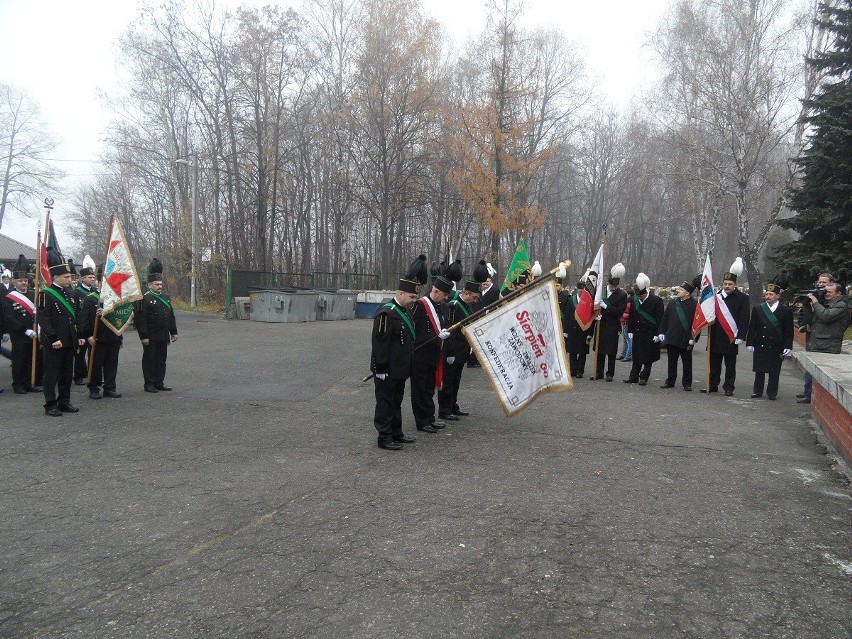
(709, 341)
(92, 347)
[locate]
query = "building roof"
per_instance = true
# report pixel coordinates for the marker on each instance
(10, 250)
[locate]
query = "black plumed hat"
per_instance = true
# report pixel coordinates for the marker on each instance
(480, 271)
(56, 264)
(415, 277)
(72, 266)
(454, 271)
(21, 268)
(155, 271)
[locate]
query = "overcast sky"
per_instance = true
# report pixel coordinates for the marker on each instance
(62, 52)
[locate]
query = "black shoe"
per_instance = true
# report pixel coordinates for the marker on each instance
(609, 378)
(756, 395)
(620, 357)
(801, 396)
(687, 388)
(460, 413)
(405, 439)
(94, 395)
(643, 382)
(627, 359)
(630, 380)
(20, 391)
(595, 377)
(729, 393)
(772, 397)
(709, 390)
(803, 400)
(667, 385)
(109, 393)
(161, 387)
(34, 389)
(53, 412)
(449, 417)
(151, 389)
(68, 408)
(391, 445)
(438, 425)
(428, 428)
(80, 381)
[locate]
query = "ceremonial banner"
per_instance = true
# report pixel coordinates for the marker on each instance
(521, 348)
(120, 284)
(48, 242)
(591, 294)
(705, 312)
(119, 319)
(519, 269)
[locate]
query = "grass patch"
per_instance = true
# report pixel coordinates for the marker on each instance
(211, 308)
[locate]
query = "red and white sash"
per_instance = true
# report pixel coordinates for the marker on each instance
(23, 300)
(432, 314)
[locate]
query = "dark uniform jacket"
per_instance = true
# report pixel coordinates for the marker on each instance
(17, 319)
(154, 320)
(737, 302)
(425, 333)
(55, 321)
(393, 342)
(645, 350)
(610, 322)
(769, 342)
(577, 340)
(487, 298)
(88, 317)
(672, 326)
(456, 344)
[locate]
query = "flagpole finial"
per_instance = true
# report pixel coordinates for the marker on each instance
(48, 203)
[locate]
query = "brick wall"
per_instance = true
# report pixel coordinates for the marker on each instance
(834, 419)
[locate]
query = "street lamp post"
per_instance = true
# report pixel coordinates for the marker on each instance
(193, 297)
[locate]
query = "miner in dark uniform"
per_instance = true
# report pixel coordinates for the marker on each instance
(391, 357)
(643, 327)
(456, 351)
(57, 320)
(155, 321)
(722, 348)
(104, 346)
(577, 340)
(488, 294)
(427, 366)
(611, 309)
(19, 313)
(770, 338)
(85, 289)
(676, 334)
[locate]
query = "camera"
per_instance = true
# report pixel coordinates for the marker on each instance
(818, 293)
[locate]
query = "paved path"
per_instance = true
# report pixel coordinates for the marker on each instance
(252, 501)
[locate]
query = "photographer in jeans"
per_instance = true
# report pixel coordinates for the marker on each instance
(825, 333)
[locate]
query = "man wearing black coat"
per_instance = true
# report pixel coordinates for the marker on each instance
(722, 348)
(19, 312)
(427, 366)
(103, 349)
(676, 334)
(456, 350)
(576, 339)
(84, 290)
(611, 309)
(770, 338)
(643, 324)
(155, 322)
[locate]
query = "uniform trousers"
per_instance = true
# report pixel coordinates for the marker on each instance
(640, 371)
(610, 368)
(685, 355)
(58, 373)
(716, 370)
(448, 396)
(154, 362)
(22, 361)
(577, 362)
(388, 416)
(81, 366)
(771, 387)
(423, 390)
(105, 366)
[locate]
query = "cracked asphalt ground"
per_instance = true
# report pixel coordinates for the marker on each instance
(253, 501)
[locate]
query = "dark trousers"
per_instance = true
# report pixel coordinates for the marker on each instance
(105, 365)
(58, 373)
(610, 368)
(22, 361)
(154, 362)
(640, 371)
(448, 396)
(771, 387)
(685, 355)
(716, 370)
(81, 364)
(388, 416)
(423, 391)
(577, 362)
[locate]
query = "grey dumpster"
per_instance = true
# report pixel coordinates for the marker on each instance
(283, 305)
(336, 305)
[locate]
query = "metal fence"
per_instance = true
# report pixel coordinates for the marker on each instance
(241, 283)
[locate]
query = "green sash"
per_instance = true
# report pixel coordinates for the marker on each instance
(165, 303)
(404, 317)
(639, 310)
(61, 298)
(464, 310)
(681, 315)
(772, 319)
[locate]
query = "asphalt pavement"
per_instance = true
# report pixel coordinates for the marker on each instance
(252, 501)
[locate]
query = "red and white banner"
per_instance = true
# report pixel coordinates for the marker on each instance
(120, 283)
(521, 347)
(584, 313)
(705, 312)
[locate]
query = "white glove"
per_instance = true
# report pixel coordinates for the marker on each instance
(750, 349)
(787, 351)
(630, 335)
(656, 339)
(692, 342)
(738, 341)
(662, 337)
(597, 318)
(5, 337)
(451, 360)
(602, 304)
(444, 334)
(381, 376)
(564, 334)
(30, 333)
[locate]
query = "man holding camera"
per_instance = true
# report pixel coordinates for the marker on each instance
(828, 319)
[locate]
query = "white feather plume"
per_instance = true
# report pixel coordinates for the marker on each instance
(88, 262)
(491, 270)
(561, 273)
(7, 273)
(643, 281)
(737, 266)
(617, 270)
(536, 269)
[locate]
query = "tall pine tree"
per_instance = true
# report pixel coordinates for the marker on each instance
(823, 198)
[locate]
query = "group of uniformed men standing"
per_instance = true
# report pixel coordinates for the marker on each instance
(66, 329)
